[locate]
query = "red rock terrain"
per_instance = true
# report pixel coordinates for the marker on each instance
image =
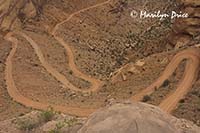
(67, 56)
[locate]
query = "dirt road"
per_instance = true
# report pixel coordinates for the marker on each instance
(96, 84)
(16, 95)
(191, 71)
(78, 12)
(192, 56)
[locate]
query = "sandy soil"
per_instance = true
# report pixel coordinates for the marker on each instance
(76, 54)
(189, 107)
(105, 46)
(8, 108)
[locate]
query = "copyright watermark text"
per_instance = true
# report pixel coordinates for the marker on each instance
(158, 14)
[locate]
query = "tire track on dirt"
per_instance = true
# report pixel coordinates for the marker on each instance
(191, 71)
(18, 97)
(78, 12)
(192, 55)
(96, 84)
(49, 68)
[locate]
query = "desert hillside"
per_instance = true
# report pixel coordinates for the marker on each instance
(76, 56)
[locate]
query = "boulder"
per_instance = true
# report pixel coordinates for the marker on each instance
(135, 118)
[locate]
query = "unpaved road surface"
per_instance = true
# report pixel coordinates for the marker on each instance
(191, 71)
(95, 83)
(192, 56)
(15, 94)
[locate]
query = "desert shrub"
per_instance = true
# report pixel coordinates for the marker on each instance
(59, 125)
(71, 122)
(26, 125)
(165, 83)
(182, 101)
(146, 98)
(47, 115)
(65, 123)
(70, 72)
(54, 131)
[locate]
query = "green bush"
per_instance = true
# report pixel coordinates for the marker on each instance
(47, 115)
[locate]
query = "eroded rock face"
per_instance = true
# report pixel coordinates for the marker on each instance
(12, 12)
(135, 118)
(186, 29)
(191, 2)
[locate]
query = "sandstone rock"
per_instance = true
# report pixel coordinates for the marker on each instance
(49, 126)
(133, 70)
(14, 125)
(29, 10)
(194, 31)
(193, 12)
(21, 10)
(182, 24)
(182, 40)
(8, 127)
(190, 2)
(164, 61)
(73, 129)
(140, 63)
(135, 118)
(123, 76)
(186, 28)
(179, 39)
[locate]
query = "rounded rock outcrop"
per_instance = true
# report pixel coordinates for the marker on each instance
(135, 118)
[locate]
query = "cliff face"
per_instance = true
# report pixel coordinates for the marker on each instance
(186, 31)
(15, 11)
(135, 118)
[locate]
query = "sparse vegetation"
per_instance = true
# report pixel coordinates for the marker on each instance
(70, 122)
(17, 7)
(70, 72)
(103, 48)
(47, 115)
(182, 101)
(54, 131)
(189, 107)
(29, 123)
(65, 123)
(146, 98)
(165, 83)
(26, 125)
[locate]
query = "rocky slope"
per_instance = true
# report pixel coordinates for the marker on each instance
(15, 13)
(100, 47)
(119, 118)
(186, 31)
(135, 118)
